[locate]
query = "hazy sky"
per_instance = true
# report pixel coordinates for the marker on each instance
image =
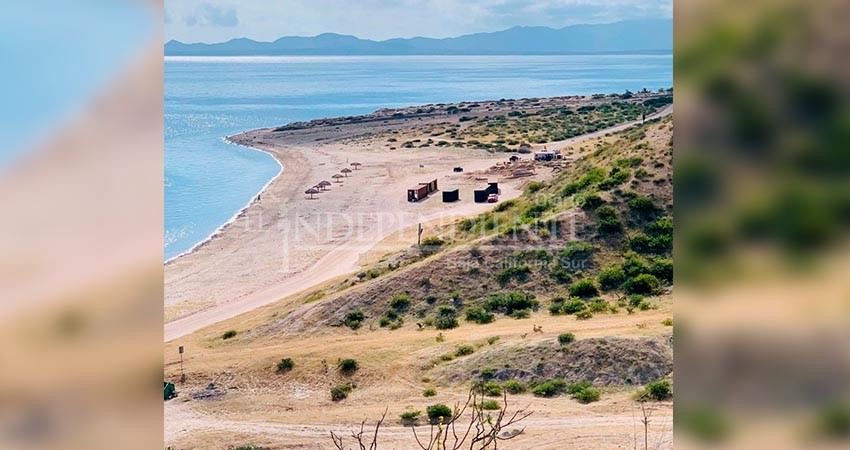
(267, 20)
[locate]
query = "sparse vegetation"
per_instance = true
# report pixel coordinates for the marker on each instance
(341, 392)
(348, 366)
(446, 318)
(514, 386)
(658, 391)
(354, 319)
(439, 412)
(429, 392)
(566, 338)
(464, 350)
(583, 289)
(229, 334)
(491, 405)
(285, 365)
(478, 314)
(409, 418)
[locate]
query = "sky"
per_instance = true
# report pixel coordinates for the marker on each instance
(266, 20)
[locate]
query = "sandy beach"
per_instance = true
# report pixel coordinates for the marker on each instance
(283, 243)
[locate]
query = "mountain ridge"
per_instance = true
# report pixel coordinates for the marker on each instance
(635, 36)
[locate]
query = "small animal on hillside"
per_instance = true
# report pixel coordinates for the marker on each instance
(538, 328)
(523, 335)
(419, 325)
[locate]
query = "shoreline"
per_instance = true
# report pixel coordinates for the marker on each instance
(259, 257)
(220, 229)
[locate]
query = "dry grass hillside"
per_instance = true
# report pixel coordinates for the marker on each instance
(561, 297)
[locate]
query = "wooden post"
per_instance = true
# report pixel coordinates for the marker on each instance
(182, 375)
(419, 236)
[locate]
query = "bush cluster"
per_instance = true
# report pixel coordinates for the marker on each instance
(439, 412)
(348, 366)
(354, 319)
(511, 302)
(566, 338)
(285, 365)
(583, 289)
(446, 318)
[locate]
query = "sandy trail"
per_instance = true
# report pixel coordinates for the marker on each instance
(284, 244)
(185, 422)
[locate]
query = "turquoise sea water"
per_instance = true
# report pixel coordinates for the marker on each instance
(207, 180)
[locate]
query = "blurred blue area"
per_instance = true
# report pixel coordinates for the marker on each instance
(57, 55)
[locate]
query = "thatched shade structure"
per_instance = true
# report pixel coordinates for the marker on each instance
(356, 165)
(324, 184)
(346, 171)
(337, 177)
(311, 191)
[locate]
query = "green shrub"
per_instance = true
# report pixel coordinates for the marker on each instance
(480, 315)
(410, 417)
(643, 284)
(566, 338)
(578, 386)
(574, 306)
(589, 202)
(642, 205)
(534, 186)
(285, 365)
(488, 374)
(491, 405)
(521, 314)
(587, 395)
(464, 350)
(510, 302)
(348, 366)
(228, 334)
(662, 268)
(607, 219)
(668, 322)
(550, 388)
(583, 289)
(514, 386)
(519, 273)
(439, 412)
(657, 391)
(446, 318)
(576, 250)
(400, 302)
(447, 357)
(491, 388)
(340, 392)
(556, 307)
(561, 275)
(430, 392)
(492, 339)
(597, 305)
(611, 278)
(584, 315)
(432, 241)
(354, 319)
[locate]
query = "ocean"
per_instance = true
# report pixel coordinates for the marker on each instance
(207, 181)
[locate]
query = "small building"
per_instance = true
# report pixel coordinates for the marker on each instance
(480, 195)
(451, 196)
(545, 156)
(493, 188)
(458, 169)
(418, 193)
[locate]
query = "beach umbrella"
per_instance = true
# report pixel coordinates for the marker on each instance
(346, 171)
(356, 165)
(324, 184)
(311, 191)
(337, 177)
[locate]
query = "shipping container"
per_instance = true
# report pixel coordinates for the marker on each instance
(418, 193)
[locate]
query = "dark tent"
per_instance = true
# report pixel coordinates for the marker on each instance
(451, 196)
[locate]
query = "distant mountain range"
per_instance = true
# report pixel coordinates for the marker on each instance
(633, 36)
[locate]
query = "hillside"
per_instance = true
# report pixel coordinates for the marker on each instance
(483, 300)
(619, 37)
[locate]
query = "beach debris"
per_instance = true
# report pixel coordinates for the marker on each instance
(337, 177)
(356, 165)
(346, 171)
(312, 191)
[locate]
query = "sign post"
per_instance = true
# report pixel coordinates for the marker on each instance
(182, 375)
